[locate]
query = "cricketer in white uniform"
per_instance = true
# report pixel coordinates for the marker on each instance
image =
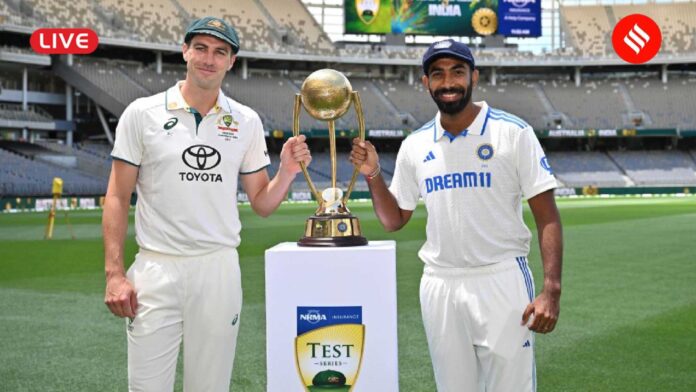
(473, 165)
(183, 150)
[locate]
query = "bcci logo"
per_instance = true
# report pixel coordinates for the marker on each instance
(485, 152)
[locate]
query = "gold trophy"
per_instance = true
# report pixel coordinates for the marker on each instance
(326, 95)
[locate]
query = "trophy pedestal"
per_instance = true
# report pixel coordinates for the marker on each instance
(318, 301)
(332, 230)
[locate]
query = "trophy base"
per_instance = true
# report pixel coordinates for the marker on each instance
(332, 231)
(332, 241)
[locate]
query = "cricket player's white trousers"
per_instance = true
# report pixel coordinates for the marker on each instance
(472, 320)
(197, 300)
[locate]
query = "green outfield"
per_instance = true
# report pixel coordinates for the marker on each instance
(628, 311)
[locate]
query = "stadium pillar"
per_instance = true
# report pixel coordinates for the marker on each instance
(578, 79)
(494, 76)
(69, 113)
(245, 68)
(25, 88)
(664, 73)
(158, 61)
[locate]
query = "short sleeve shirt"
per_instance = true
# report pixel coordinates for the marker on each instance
(473, 186)
(188, 172)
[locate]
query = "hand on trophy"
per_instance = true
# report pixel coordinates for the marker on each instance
(295, 150)
(364, 156)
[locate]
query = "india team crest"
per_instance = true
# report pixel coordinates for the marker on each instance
(329, 347)
(367, 10)
(485, 152)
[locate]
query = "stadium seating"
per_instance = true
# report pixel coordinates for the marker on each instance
(23, 176)
(657, 167)
(152, 20)
(597, 103)
(15, 112)
(677, 23)
(305, 32)
(669, 105)
(588, 27)
(577, 169)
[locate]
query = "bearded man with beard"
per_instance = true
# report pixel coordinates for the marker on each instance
(473, 165)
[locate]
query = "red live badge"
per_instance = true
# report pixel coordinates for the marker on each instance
(636, 38)
(64, 41)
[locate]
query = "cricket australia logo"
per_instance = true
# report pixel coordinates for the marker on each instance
(367, 10)
(329, 346)
(227, 127)
(201, 158)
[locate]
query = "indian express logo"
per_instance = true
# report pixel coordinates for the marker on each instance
(636, 38)
(201, 158)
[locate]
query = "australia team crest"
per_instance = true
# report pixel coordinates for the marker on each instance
(227, 127)
(367, 10)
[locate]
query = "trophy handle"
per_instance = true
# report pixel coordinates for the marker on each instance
(361, 127)
(296, 132)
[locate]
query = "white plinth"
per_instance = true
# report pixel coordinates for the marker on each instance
(322, 278)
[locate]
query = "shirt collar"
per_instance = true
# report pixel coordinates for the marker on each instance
(175, 101)
(477, 127)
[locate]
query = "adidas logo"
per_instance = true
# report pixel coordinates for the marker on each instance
(429, 157)
(527, 344)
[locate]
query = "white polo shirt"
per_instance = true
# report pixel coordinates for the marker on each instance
(187, 179)
(473, 186)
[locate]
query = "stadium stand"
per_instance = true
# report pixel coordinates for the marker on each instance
(677, 23)
(588, 27)
(657, 167)
(152, 20)
(22, 175)
(304, 31)
(577, 169)
(98, 166)
(516, 96)
(15, 112)
(411, 99)
(668, 105)
(595, 104)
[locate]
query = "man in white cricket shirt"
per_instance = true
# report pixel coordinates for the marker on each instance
(183, 150)
(473, 165)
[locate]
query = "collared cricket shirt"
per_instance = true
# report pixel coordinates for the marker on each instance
(188, 170)
(473, 186)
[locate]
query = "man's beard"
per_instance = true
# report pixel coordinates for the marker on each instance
(451, 107)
